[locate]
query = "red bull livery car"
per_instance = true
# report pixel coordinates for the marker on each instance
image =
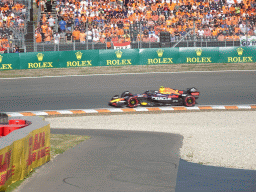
(164, 96)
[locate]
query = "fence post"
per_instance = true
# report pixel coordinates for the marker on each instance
(87, 34)
(194, 31)
(140, 34)
(246, 31)
(35, 46)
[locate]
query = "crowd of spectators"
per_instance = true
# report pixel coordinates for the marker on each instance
(12, 17)
(143, 20)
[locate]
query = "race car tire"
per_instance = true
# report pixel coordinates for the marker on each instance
(126, 93)
(132, 102)
(189, 101)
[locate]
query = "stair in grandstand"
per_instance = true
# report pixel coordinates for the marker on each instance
(53, 14)
(29, 37)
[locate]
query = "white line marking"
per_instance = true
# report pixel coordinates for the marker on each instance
(140, 109)
(244, 107)
(192, 108)
(218, 107)
(40, 113)
(146, 73)
(15, 114)
(166, 108)
(90, 111)
(64, 112)
(115, 110)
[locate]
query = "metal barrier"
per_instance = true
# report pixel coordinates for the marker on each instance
(73, 46)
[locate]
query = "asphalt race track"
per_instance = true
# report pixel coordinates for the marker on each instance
(100, 164)
(113, 161)
(91, 92)
(129, 161)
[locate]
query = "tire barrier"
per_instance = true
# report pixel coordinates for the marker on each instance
(8, 126)
(3, 119)
(23, 150)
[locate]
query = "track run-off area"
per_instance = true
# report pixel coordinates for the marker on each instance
(206, 148)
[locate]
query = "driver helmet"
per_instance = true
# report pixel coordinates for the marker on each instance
(161, 89)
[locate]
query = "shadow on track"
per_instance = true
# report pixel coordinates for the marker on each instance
(193, 177)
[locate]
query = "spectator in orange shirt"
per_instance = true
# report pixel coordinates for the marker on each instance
(76, 35)
(228, 21)
(120, 32)
(221, 37)
(38, 37)
(44, 28)
(102, 39)
(82, 37)
(214, 32)
(48, 38)
(115, 38)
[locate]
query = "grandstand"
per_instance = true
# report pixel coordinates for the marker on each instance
(58, 25)
(14, 15)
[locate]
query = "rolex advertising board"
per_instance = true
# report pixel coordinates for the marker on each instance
(39, 60)
(199, 55)
(120, 57)
(159, 56)
(87, 58)
(237, 54)
(127, 57)
(9, 61)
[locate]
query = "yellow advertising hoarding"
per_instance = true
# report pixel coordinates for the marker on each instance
(22, 156)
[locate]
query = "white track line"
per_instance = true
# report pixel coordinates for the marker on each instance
(129, 74)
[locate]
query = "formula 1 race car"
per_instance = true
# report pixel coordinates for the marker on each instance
(156, 98)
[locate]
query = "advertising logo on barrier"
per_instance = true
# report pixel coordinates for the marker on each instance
(119, 54)
(79, 55)
(159, 60)
(198, 59)
(40, 64)
(119, 61)
(118, 57)
(40, 56)
(37, 148)
(6, 168)
(240, 51)
(78, 63)
(23, 155)
(4, 66)
(240, 58)
(123, 57)
(248, 41)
